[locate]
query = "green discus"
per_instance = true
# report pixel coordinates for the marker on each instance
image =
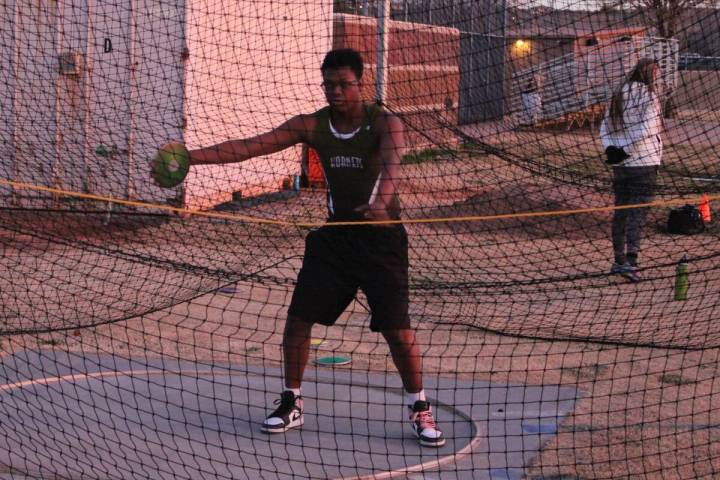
(171, 165)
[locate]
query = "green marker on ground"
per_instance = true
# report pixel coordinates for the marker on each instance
(332, 361)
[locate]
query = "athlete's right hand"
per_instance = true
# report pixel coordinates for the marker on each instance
(374, 212)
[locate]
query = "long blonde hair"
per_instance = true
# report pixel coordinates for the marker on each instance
(643, 73)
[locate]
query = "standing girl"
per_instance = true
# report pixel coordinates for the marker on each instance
(630, 134)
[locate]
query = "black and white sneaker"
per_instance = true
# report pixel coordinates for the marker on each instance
(423, 425)
(627, 270)
(289, 414)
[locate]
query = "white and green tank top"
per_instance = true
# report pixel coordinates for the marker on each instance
(352, 165)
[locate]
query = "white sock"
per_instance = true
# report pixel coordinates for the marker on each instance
(296, 391)
(411, 398)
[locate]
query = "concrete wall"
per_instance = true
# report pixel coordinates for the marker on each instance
(423, 78)
(482, 24)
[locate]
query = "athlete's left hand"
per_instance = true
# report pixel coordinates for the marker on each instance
(375, 211)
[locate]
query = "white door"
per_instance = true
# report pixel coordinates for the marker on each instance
(34, 101)
(70, 168)
(107, 123)
(156, 90)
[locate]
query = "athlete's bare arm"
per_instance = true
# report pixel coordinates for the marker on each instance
(295, 130)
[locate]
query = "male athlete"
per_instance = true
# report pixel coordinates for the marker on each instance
(360, 146)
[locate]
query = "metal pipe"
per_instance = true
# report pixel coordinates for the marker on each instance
(383, 34)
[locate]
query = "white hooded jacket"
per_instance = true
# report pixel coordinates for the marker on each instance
(640, 135)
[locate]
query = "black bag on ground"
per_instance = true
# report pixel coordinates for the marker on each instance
(685, 220)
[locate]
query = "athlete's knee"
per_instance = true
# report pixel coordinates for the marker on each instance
(404, 336)
(296, 327)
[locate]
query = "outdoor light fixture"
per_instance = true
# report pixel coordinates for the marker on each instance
(521, 46)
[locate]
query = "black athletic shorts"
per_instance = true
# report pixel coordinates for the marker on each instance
(339, 260)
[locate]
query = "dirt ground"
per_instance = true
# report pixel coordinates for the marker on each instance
(512, 300)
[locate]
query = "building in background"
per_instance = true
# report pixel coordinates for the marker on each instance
(91, 90)
(480, 26)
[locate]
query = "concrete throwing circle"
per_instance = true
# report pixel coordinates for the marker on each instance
(202, 424)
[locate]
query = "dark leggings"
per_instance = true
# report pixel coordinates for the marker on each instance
(631, 185)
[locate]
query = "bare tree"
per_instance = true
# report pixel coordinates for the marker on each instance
(664, 15)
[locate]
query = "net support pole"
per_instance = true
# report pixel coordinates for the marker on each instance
(381, 65)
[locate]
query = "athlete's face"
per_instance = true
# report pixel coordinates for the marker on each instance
(342, 88)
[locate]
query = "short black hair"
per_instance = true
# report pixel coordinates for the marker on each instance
(344, 57)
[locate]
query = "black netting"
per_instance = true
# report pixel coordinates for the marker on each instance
(564, 329)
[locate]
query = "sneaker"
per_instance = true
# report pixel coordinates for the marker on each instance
(630, 272)
(616, 268)
(423, 425)
(289, 414)
(626, 270)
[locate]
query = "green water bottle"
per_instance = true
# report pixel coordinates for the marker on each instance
(681, 279)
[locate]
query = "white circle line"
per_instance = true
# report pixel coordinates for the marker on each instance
(432, 464)
(74, 377)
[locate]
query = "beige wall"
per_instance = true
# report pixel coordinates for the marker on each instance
(252, 65)
(423, 78)
(126, 99)
(197, 70)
